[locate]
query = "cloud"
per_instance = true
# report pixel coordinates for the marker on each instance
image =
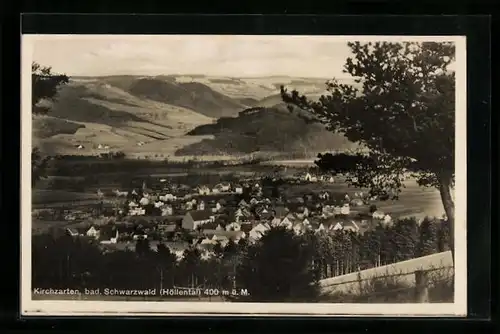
(227, 55)
(190, 54)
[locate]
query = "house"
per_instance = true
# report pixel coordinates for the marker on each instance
(167, 210)
(328, 178)
(208, 241)
(177, 247)
(144, 201)
(275, 222)
(235, 236)
(280, 212)
(359, 194)
(137, 212)
(201, 206)
(357, 202)
(285, 222)
(292, 216)
(254, 201)
(221, 239)
(168, 197)
(241, 215)
(220, 228)
(158, 204)
(167, 228)
(209, 227)
(387, 219)
(263, 213)
(304, 213)
(113, 239)
(243, 204)
(223, 187)
(188, 205)
(345, 209)
(266, 201)
(216, 191)
(351, 226)
(234, 226)
(72, 232)
(93, 232)
(338, 226)
(319, 227)
(324, 195)
(193, 219)
(238, 189)
(70, 217)
(246, 227)
(218, 207)
(329, 210)
(203, 190)
(378, 215)
(299, 228)
(259, 230)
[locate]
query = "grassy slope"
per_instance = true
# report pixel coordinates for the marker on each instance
(120, 111)
(92, 112)
(193, 95)
(274, 129)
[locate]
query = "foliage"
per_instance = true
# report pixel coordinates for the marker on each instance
(44, 85)
(277, 269)
(428, 242)
(404, 116)
(39, 165)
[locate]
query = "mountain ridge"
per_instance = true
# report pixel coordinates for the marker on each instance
(165, 115)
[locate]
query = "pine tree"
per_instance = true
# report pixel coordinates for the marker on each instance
(405, 239)
(428, 240)
(276, 269)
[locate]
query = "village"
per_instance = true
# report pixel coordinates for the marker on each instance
(179, 216)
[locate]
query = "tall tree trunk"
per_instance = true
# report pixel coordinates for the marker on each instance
(445, 183)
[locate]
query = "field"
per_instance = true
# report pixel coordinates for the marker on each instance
(58, 196)
(414, 200)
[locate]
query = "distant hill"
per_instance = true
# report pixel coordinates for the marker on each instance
(177, 114)
(274, 129)
(192, 95)
(93, 113)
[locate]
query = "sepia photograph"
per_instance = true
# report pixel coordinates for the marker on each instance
(243, 175)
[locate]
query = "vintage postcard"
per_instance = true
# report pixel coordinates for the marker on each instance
(243, 175)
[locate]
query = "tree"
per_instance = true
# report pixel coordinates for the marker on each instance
(44, 85)
(166, 262)
(428, 242)
(403, 117)
(190, 265)
(142, 246)
(277, 269)
(405, 239)
(39, 166)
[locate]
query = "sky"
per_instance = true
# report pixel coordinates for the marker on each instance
(229, 55)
